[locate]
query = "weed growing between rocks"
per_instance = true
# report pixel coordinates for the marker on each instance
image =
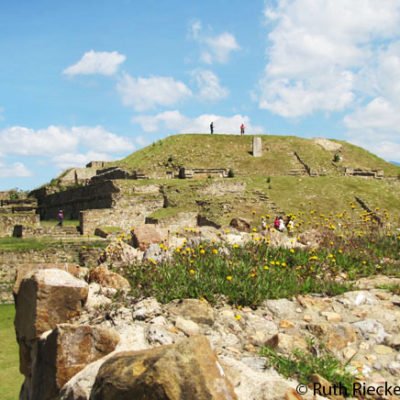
(304, 366)
(255, 272)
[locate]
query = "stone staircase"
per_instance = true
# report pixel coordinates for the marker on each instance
(55, 232)
(269, 204)
(300, 168)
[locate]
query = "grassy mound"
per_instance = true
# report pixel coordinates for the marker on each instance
(234, 152)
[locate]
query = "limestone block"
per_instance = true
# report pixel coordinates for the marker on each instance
(26, 269)
(146, 309)
(257, 147)
(65, 352)
(45, 299)
(185, 371)
(107, 278)
(198, 311)
(119, 253)
(145, 235)
(190, 328)
(96, 298)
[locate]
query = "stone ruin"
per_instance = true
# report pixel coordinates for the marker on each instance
(202, 173)
(257, 147)
(17, 212)
(364, 172)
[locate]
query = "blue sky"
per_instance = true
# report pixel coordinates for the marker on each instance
(98, 79)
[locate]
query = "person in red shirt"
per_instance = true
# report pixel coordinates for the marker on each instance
(242, 128)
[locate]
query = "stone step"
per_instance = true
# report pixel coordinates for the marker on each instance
(297, 172)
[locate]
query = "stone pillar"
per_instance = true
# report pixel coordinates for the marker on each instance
(257, 147)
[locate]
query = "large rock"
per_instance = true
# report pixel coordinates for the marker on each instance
(104, 277)
(45, 299)
(145, 235)
(27, 269)
(311, 238)
(119, 253)
(241, 224)
(195, 310)
(65, 352)
(184, 371)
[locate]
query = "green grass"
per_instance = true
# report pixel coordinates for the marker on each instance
(11, 244)
(233, 152)
(111, 229)
(393, 288)
(248, 275)
(10, 377)
(302, 365)
(268, 175)
(325, 195)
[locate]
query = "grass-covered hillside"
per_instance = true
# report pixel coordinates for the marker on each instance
(253, 197)
(234, 152)
(278, 182)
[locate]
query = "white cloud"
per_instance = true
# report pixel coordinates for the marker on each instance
(175, 122)
(147, 93)
(57, 140)
(209, 87)
(69, 160)
(99, 139)
(376, 127)
(375, 123)
(299, 98)
(318, 50)
(15, 170)
(216, 48)
(25, 141)
(96, 62)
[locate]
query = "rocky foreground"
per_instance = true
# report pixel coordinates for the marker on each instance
(82, 337)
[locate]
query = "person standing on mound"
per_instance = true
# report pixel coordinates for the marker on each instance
(242, 128)
(212, 128)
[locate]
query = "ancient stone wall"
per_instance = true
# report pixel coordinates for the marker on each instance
(77, 176)
(127, 212)
(112, 173)
(202, 173)
(368, 173)
(73, 201)
(176, 222)
(97, 164)
(8, 221)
